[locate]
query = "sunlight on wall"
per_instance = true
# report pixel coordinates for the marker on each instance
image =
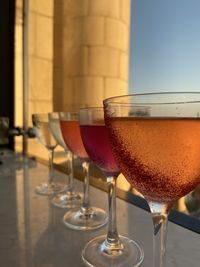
(40, 45)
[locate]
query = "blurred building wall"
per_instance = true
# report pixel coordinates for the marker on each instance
(91, 51)
(40, 56)
(78, 54)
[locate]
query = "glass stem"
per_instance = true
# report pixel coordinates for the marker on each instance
(112, 243)
(159, 212)
(86, 201)
(70, 182)
(51, 157)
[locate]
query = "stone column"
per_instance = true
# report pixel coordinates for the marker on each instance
(40, 56)
(95, 51)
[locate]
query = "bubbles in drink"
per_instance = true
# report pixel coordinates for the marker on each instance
(159, 157)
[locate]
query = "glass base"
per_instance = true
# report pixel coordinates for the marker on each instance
(130, 255)
(49, 189)
(80, 219)
(67, 200)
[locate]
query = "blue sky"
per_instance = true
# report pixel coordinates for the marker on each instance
(165, 46)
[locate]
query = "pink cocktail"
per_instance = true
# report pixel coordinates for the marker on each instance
(159, 157)
(156, 144)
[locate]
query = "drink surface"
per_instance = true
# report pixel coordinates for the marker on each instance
(159, 157)
(96, 142)
(56, 132)
(72, 137)
(44, 135)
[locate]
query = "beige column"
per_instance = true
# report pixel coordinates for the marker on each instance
(40, 56)
(91, 60)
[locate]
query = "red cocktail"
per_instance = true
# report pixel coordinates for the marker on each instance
(96, 142)
(112, 249)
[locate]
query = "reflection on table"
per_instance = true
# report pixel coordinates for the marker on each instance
(33, 235)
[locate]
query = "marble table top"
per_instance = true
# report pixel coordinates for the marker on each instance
(32, 233)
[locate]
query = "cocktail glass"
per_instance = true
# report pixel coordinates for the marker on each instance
(43, 133)
(155, 142)
(86, 217)
(70, 198)
(110, 249)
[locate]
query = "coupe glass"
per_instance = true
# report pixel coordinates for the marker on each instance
(69, 199)
(156, 144)
(112, 249)
(43, 133)
(86, 217)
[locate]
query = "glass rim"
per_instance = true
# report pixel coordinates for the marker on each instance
(40, 117)
(110, 100)
(53, 115)
(53, 112)
(91, 108)
(68, 115)
(68, 112)
(40, 114)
